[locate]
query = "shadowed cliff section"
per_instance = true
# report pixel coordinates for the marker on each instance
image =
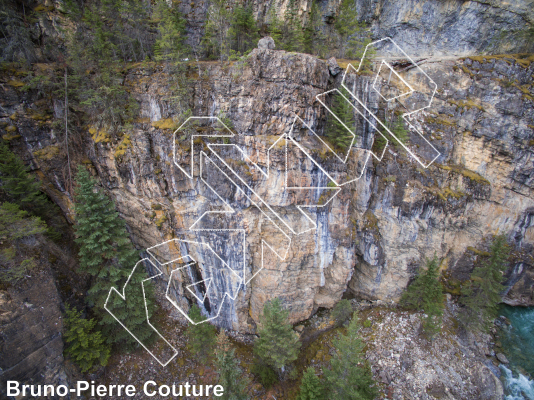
(424, 28)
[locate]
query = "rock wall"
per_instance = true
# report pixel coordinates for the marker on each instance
(451, 27)
(372, 237)
(31, 332)
(430, 28)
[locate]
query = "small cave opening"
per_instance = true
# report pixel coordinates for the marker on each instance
(201, 287)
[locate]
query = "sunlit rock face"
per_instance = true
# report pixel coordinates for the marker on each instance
(372, 236)
(368, 240)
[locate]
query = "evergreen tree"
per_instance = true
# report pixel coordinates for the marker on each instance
(102, 48)
(275, 27)
(293, 32)
(380, 140)
(18, 186)
(350, 376)
(426, 293)
(15, 226)
(314, 39)
(264, 374)
(353, 36)
(243, 30)
(106, 253)
(201, 337)
(230, 374)
(338, 135)
(216, 39)
(400, 132)
(311, 387)
(170, 42)
(342, 311)
(85, 344)
(277, 345)
(483, 294)
(170, 48)
(397, 128)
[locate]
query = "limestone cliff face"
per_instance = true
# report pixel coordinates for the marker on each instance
(374, 234)
(479, 125)
(424, 28)
(447, 28)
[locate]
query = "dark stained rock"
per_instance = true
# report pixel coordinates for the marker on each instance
(31, 350)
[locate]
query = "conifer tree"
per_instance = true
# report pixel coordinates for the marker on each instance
(483, 294)
(314, 39)
(169, 45)
(275, 27)
(338, 135)
(201, 336)
(426, 293)
(342, 311)
(18, 186)
(277, 345)
(171, 49)
(216, 39)
(350, 376)
(106, 253)
(400, 132)
(85, 344)
(102, 47)
(243, 30)
(379, 144)
(15, 226)
(293, 32)
(230, 374)
(353, 36)
(311, 387)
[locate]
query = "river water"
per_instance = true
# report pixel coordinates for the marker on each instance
(517, 341)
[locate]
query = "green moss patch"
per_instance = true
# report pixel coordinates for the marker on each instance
(165, 124)
(123, 146)
(441, 119)
(100, 136)
(467, 104)
(47, 153)
(467, 173)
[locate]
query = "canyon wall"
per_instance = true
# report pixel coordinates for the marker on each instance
(430, 28)
(371, 238)
(31, 323)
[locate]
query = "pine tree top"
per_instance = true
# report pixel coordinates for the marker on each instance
(277, 344)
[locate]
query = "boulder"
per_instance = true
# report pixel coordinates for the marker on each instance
(502, 358)
(333, 67)
(266, 43)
